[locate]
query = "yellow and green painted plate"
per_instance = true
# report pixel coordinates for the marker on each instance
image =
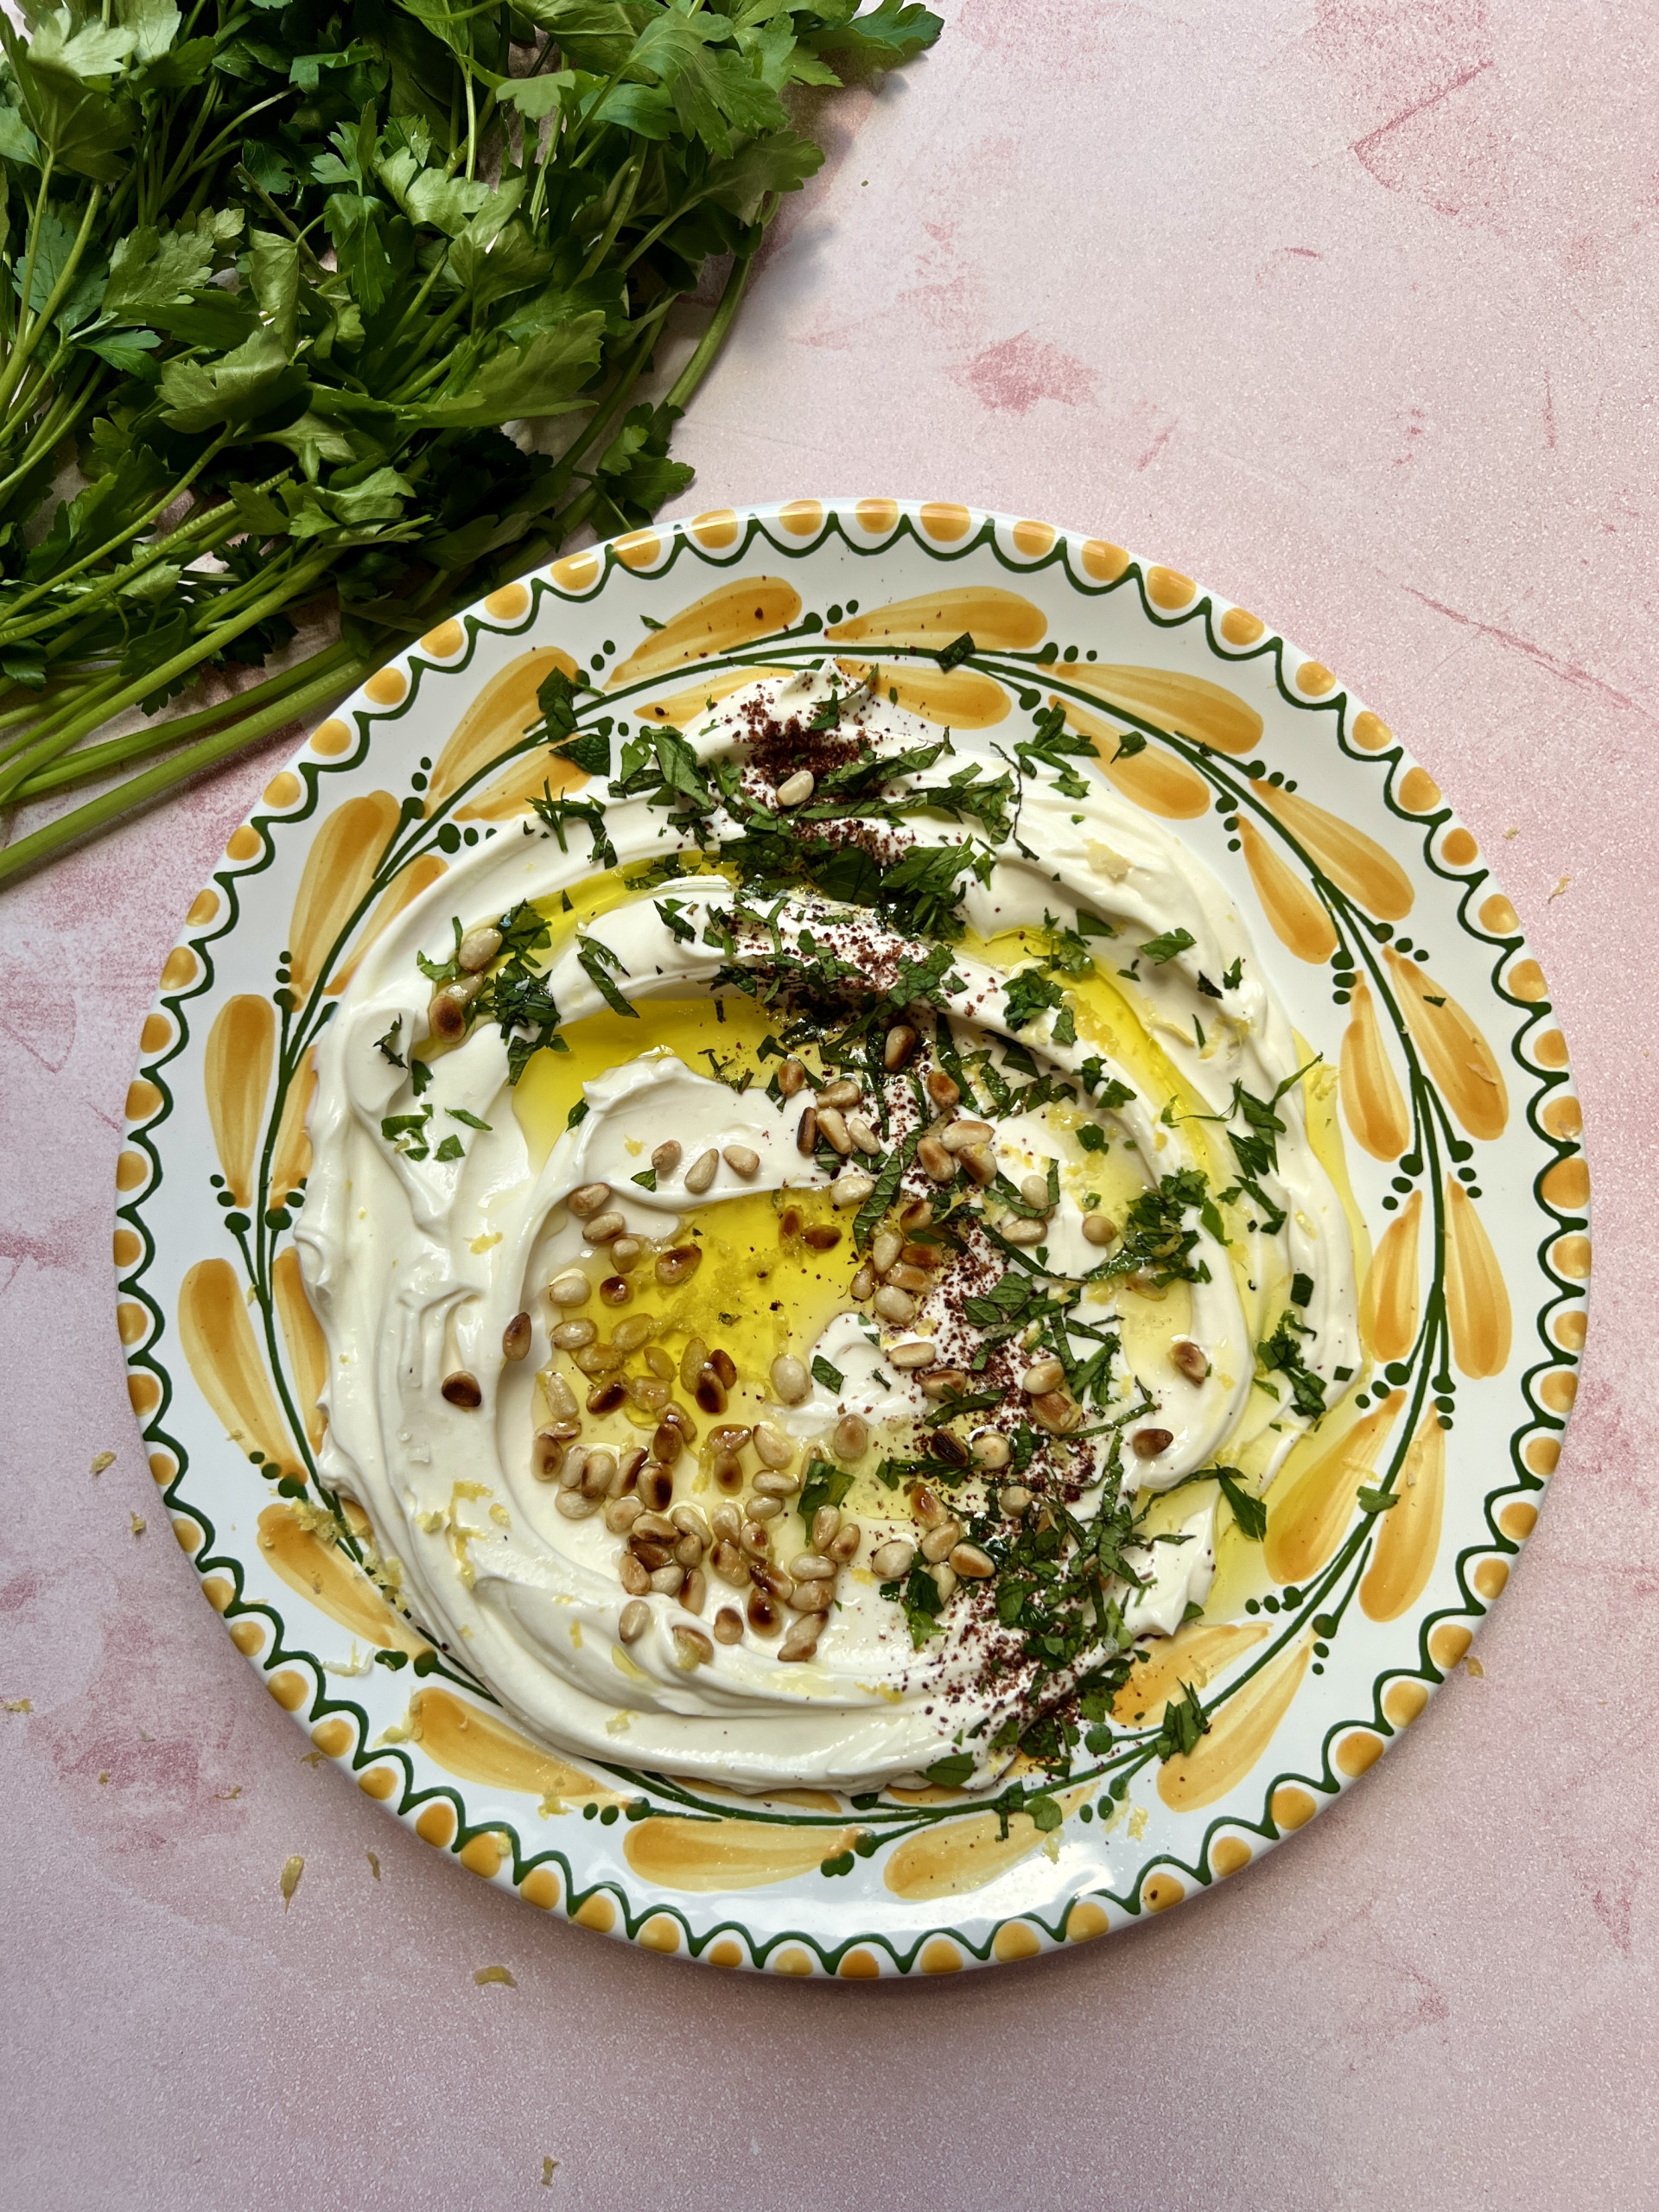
(1442, 1098)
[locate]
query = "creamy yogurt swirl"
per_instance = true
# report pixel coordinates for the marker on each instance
(1069, 1189)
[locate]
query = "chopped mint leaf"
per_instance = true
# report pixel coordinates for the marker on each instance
(460, 1114)
(1161, 949)
(831, 1378)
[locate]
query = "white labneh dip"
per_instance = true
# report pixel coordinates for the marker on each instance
(781, 1232)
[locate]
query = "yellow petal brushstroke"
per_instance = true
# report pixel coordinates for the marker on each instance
(1355, 862)
(1240, 1732)
(713, 1855)
(307, 1352)
(471, 1743)
(503, 713)
(403, 889)
(1296, 919)
(1371, 1097)
(1195, 1654)
(1408, 1533)
(236, 1074)
(527, 777)
(291, 1159)
(218, 1339)
(1477, 1303)
(1152, 779)
(997, 620)
(1311, 1504)
(339, 869)
(311, 1565)
(957, 1856)
(1460, 1063)
(746, 607)
(959, 698)
(682, 707)
(1388, 1305)
(1187, 706)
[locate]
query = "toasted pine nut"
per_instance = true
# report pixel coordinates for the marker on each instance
(915, 1214)
(823, 1236)
(791, 1077)
(925, 1505)
(701, 1172)
(573, 1505)
(651, 1551)
(657, 1525)
(589, 1199)
(894, 1304)
(598, 1473)
(801, 1640)
(942, 1090)
(1013, 1497)
(886, 1248)
(908, 1358)
(692, 1647)
(656, 1359)
(621, 1514)
(710, 1392)
(812, 1566)
(806, 1131)
(1189, 1358)
(770, 1484)
(694, 1591)
(944, 1382)
(1033, 1189)
(851, 1188)
(616, 1290)
(863, 1284)
(666, 1158)
(596, 1358)
(634, 1621)
(692, 1361)
(936, 1161)
(570, 1288)
(765, 1509)
(1096, 1230)
(937, 1542)
(892, 1562)
(812, 1597)
(945, 1580)
(771, 1447)
(843, 1546)
(669, 1442)
(1046, 1374)
(634, 1577)
(570, 1336)
(547, 1456)
(1147, 1443)
(972, 1564)
(727, 1562)
(666, 1580)
(730, 1436)
(790, 1380)
(765, 1617)
(755, 1540)
(677, 1417)
(656, 1485)
(1056, 1411)
(832, 1127)
(688, 1550)
(604, 1226)
(850, 1438)
(914, 1280)
(625, 1253)
(899, 1046)
(678, 1264)
(727, 1470)
(478, 947)
(1021, 1231)
(728, 1626)
(949, 1449)
(980, 1161)
(446, 1015)
(862, 1134)
(961, 1136)
(992, 1449)
(796, 789)
(515, 1337)
(462, 1390)
(743, 1160)
(561, 1399)
(692, 1520)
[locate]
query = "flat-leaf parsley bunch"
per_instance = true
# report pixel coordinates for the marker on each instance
(276, 277)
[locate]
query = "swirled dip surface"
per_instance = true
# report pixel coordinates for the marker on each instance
(982, 1354)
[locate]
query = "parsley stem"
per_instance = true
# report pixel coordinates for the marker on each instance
(29, 339)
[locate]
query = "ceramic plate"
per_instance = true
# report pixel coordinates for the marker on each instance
(1443, 1086)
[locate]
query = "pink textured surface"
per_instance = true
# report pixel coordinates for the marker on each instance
(1345, 307)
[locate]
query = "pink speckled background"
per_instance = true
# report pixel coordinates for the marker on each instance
(1345, 306)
